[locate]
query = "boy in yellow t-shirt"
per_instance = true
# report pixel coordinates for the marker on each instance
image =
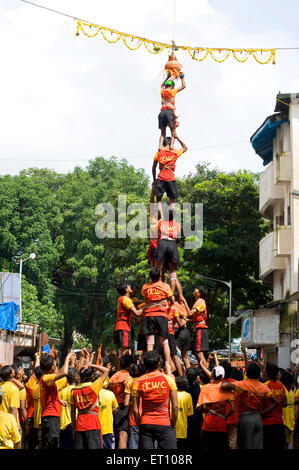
(185, 406)
(288, 412)
(107, 406)
(37, 413)
(10, 437)
(10, 392)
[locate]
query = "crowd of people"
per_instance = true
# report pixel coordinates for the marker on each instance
(154, 397)
(138, 402)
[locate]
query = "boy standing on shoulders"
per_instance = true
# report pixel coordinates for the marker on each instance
(155, 318)
(167, 115)
(166, 182)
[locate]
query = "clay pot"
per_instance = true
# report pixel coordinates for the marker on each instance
(173, 66)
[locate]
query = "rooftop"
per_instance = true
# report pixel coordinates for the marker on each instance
(262, 139)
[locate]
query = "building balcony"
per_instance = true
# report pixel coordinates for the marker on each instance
(270, 190)
(274, 251)
(283, 241)
(282, 167)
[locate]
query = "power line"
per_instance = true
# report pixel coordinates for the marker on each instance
(87, 21)
(125, 156)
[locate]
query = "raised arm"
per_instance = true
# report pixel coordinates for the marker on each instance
(184, 301)
(205, 369)
(64, 369)
(183, 83)
(104, 371)
(184, 147)
(36, 360)
(243, 349)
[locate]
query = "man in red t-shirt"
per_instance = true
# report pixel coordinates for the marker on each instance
(85, 399)
(155, 319)
(123, 324)
(156, 390)
(166, 182)
(199, 319)
(252, 395)
(50, 383)
(273, 427)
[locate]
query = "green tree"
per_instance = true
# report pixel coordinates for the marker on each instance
(43, 313)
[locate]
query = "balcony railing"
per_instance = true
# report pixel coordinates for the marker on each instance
(270, 190)
(283, 241)
(283, 167)
(269, 258)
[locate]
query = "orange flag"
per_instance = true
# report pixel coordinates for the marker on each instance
(52, 351)
(99, 356)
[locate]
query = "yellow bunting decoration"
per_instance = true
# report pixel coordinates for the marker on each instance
(196, 53)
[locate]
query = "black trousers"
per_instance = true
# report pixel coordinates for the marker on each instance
(50, 432)
(274, 436)
(89, 439)
(32, 439)
(214, 440)
(164, 435)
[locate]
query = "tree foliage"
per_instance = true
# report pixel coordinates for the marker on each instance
(71, 284)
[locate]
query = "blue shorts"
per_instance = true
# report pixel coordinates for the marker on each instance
(108, 441)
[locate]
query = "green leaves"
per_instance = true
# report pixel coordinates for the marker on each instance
(71, 285)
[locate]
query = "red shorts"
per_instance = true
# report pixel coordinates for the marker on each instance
(123, 338)
(201, 340)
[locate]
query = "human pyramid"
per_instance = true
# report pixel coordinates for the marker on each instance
(150, 400)
(163, 314)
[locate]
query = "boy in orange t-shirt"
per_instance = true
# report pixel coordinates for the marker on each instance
(155, 319)
(117, 384)
(167, 115)
(156, 390)
(166, 182)
(217, 405)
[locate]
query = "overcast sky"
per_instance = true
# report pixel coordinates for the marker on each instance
(67, 99)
